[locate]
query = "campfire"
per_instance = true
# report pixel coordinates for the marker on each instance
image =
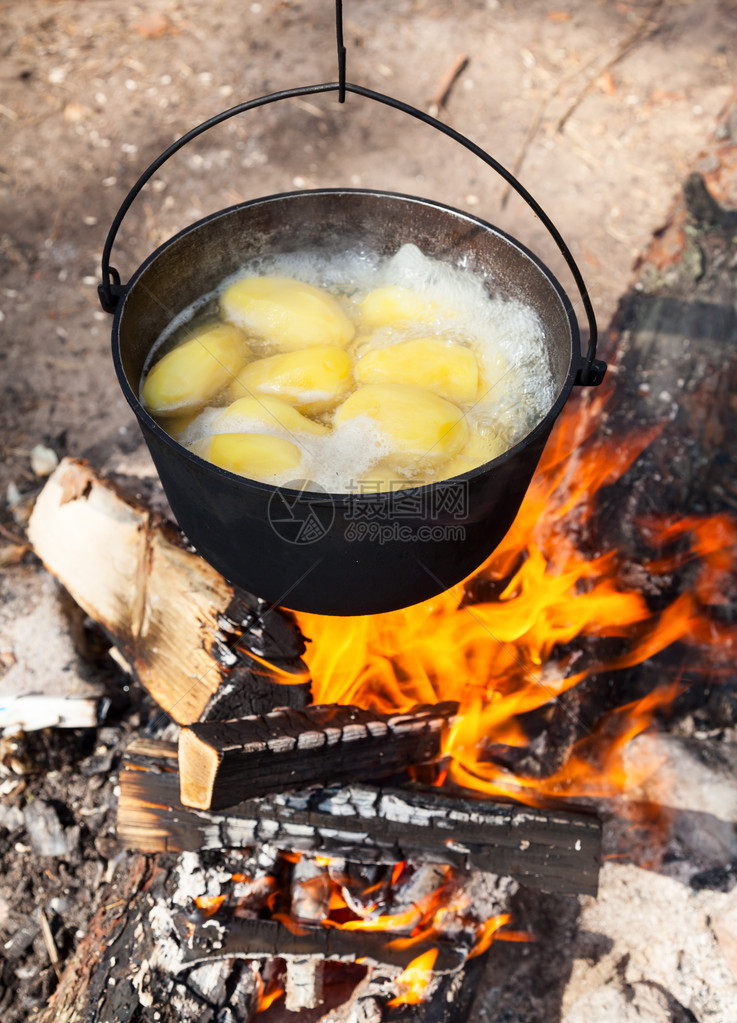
(351, 851)
(337, 819)
(349, 820)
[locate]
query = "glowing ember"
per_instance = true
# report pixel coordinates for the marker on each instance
(209, 904)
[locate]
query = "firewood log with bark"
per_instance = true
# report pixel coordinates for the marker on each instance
(198, 644)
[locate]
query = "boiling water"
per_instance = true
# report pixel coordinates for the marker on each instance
(505, 336)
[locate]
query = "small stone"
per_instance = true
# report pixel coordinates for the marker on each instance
(107, 846)
(20, 505)
(45, 832)
(74, 113)
(13, 495)
(43, 460)
(11, 817)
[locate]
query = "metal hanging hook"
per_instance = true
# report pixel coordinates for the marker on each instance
(341, 50)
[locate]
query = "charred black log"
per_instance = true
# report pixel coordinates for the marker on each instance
(267, 939)
(675, 334)
(222, 763)
(553, 850)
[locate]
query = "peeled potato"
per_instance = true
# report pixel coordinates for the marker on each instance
(189, 375)
(383, 307)
(249, 415)
(382, 477)
(313, 379)
(446, 369)
(479, 450)
(418, 425)
(287, 313)
(259, 456)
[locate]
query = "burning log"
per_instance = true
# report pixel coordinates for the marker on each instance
(553, 850)
(131, 960)
(186, 634)
(266, 939)
(222, 762)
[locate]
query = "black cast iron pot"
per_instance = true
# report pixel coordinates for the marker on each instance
(344, 554)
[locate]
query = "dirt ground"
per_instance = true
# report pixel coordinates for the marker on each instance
(605, 105)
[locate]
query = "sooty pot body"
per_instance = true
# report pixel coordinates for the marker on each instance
(341, 554)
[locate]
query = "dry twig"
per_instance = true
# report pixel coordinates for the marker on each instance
(440, 97)
(50, 944)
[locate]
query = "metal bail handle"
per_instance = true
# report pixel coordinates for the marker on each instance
(111, 290)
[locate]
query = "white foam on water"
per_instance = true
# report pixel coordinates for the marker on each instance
(305, 397)
(346, 454)
(452, 289)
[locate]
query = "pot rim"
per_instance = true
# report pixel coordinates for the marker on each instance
(577, 360)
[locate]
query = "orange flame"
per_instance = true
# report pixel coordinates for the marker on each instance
(405, 920)
(291, 925)
(415, 979)
(268, 995)
(397, 871)
(501, 658)
(487, 932)
(336, 901)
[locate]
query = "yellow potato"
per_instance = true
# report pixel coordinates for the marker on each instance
(287, 313)
(189, 375)
(383, 307)
(446, 369)
(418, 425)
(479, 450)
(382, 477)
(251, 415)
(313, 379)
(259, 456)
